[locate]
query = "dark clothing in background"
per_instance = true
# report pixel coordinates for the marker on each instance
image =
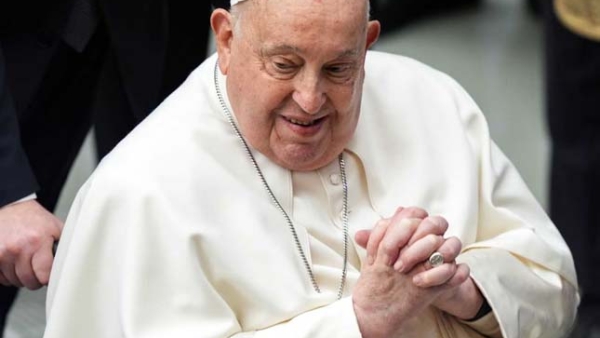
(52, 92)
(573, 111)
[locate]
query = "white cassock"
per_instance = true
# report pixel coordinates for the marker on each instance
(175, 236)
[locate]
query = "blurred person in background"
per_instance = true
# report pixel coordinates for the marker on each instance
(64, 66)
(572, 30)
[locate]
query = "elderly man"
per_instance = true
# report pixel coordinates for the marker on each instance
(255, 202)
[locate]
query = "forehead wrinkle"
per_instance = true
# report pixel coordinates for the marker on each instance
(262, 11)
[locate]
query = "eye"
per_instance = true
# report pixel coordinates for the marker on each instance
(284, 67)
(340, 71)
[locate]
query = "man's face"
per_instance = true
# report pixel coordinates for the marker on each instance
(295, 75)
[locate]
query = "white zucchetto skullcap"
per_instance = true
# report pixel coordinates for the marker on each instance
(235, 2)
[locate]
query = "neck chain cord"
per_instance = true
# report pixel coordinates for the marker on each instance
(278, 205)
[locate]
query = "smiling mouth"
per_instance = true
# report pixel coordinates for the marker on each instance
(304, 123)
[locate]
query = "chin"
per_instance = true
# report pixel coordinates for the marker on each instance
(304, 161)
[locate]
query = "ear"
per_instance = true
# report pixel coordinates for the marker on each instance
(373, 31)
(221, 22)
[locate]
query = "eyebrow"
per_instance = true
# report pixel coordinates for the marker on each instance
(271, 50)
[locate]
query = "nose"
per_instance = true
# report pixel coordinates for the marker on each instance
(308, 94)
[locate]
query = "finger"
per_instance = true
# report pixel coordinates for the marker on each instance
(460, 276)
(375, 238)
(7, 266)
(418, 252)
(410, 212)
(41, 263)
(362, 238)
(450, 249)
(431, 225)
(24, 271)
(436, 276)
(3, 280)
(396, 237)
(8, 270)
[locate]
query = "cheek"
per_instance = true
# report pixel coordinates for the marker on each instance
(262, 105)
(270, 98)
(347, 104)
(349, 125)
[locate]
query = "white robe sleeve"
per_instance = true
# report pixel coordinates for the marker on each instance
(439, 154)
(518, 258)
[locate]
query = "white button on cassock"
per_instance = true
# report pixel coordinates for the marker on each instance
(335, 179)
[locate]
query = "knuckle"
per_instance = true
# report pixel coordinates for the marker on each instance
(440, 222)
(381, 223)
(456, 244)
(380, 228)
(28, 242)
(433, 240)
(12, 249)
(407, 224)
(388, 248)
(465, 270)
(433, 221)
(27, 279)
(426, 227)
(415, 212)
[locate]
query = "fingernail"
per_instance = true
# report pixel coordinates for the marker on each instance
(399, 266)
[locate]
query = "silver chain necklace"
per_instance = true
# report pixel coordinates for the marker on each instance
(278, 205)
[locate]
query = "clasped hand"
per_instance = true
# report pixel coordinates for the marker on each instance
(398, 283)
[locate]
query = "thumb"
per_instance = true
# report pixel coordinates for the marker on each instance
(362, 238)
